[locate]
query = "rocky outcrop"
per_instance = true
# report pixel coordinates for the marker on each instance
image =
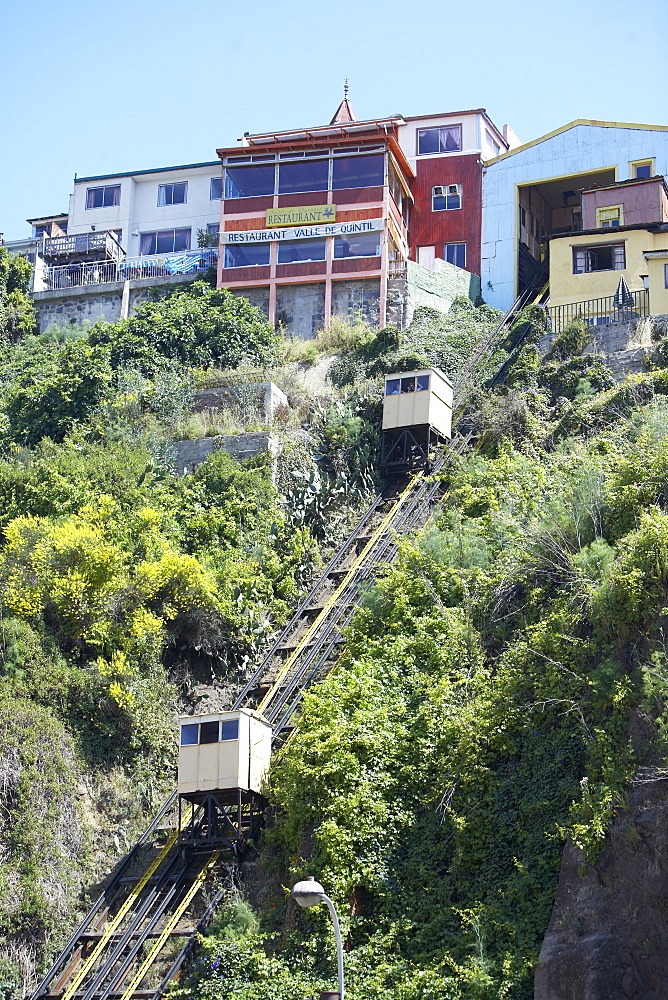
(608, 934)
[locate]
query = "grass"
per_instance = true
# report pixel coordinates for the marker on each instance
(340, 335)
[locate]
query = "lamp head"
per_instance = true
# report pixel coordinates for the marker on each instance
(308, 893)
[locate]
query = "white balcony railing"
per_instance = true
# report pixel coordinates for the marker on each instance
(132, 268)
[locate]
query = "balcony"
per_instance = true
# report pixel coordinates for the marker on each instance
(101, 272)
(83, 246)
(598, 311)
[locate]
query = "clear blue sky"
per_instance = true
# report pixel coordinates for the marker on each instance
(104, 87)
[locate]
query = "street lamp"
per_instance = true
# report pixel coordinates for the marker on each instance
(310, 893)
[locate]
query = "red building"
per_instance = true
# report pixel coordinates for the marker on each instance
(314, 222)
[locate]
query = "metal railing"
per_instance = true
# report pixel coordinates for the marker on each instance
(187, 262)
(80, 243)
(130, 269)
(598, 311)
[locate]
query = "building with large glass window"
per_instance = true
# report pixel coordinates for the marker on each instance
(312, 221)
(315, 222)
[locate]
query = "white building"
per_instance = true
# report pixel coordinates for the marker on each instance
(150, 211)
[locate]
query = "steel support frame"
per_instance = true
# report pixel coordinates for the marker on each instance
(410, 447)
(217, 820)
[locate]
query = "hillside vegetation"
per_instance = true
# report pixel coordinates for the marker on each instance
(489, 700)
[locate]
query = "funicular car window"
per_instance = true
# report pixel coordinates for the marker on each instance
(209, 732)
(408, 384)
(422, 383)
(189, 734)
(229, 729)
(393, 387)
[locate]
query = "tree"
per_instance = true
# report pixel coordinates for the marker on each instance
(17, 313)
(57, 387)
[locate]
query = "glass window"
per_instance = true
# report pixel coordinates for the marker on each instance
(393, 387)
(610, 218)
(189, 734)
(492, 146)
(422, 383)
(290, 253)
(358, 171)
(229, 729)
(665, 275)
(209, 732)
(216, 191)
(165, 241)
(249, 182)
(301, 176)
(642, 169)
(408, 384)
(173, 194)
(213, 228)
(609, 257)
(446, 197)
(443, 139)
(357, 245)
(246, 254)
(103, 197)
(455, 253)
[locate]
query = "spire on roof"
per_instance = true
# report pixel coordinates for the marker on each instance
(344, 112)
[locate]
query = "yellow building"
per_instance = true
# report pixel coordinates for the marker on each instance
(625, 225)
(589, 265)
(657, 274)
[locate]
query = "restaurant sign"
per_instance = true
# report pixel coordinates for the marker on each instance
(301, 215)
(303, 232)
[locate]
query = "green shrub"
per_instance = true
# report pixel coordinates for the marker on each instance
(570, 342)
(193, 325)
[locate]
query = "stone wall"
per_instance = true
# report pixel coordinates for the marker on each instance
(264, 397)
(91, 303)
(190, 454)
(300, 309)
(357, 299)
(256, 296)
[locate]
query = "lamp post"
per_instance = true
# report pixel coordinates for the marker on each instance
(310, 893)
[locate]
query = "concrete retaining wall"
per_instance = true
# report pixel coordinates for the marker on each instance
(190, 454)
(422, 286)
(91, 303)
(264, 397)
(299, 308)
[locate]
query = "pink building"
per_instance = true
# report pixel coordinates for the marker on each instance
(635, 202)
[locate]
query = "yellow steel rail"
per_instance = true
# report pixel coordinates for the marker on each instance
(113, 924)
(169, 927)
(296, 653)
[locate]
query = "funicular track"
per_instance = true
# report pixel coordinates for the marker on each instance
(167, 889)
(169, 886)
